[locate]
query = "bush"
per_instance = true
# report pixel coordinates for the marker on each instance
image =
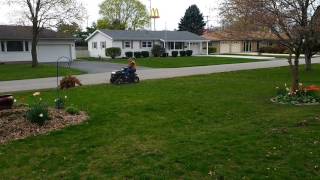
(157, 50)
(69, 82)
(38, 113)
(165, 55)
(129, 54)
(212, 50)
(72, 110)
(137, 54)
(182, 53)
(189, 52)
(273, 49)
(174, 53)
(145, 54)
(113, 52)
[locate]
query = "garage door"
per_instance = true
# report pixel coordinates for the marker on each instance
(50, 53)
(224, 47)
(235, 47)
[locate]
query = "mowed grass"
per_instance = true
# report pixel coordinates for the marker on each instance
(201, 127)
(171, 62)
(25, 71)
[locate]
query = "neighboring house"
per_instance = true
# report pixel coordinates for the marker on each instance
(228, 42)
(15, 44)
(137, 41)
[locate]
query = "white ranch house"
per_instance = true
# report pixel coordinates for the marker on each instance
(137, 41)
(15, 45)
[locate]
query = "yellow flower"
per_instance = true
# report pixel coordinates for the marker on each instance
(41, 115)
(65, 97)
(36, 94)
(15, 100)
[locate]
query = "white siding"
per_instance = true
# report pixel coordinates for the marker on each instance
(99, 51)
(49, 52)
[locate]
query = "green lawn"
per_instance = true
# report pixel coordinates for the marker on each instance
(182, 128)
(177, 62)
(25, 71)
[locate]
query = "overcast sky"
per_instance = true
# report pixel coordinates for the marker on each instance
(170, 11)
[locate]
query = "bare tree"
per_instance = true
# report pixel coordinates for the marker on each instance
(289, 20)
(46, 14)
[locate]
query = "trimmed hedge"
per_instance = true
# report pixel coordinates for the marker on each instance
(273, 49)
(145, 54)
(137, 54)
(212, 50)
(189, 52)
(165, 55)
(182, 53)
(157, 50)
(113, 52)
(129, 54)
(174, 53)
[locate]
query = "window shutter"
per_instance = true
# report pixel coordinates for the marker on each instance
(131, 44)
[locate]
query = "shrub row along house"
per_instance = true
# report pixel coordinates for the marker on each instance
(229, 42)
(15, 45)
(138, 41)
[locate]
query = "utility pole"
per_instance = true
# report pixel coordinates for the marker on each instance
(150, 10)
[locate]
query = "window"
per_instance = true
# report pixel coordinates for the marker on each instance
(176, 46)
(14, 46)
(103, 45)
(146, 44)
(2, 46)
(94, 45)
(127, 44)
(26, 46)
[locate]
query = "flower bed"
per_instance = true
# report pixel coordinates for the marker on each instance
(14, 124)
(37, 118)
(309, 95)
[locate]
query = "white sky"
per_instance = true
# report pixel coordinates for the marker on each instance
(170, 11)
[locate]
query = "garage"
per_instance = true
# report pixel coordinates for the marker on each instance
(236, 47)
(224, 47)
(51, 52)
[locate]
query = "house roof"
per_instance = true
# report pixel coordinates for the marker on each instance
(240, 36)
(152, 35)
(12, 32)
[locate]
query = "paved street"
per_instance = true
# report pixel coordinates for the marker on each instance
(99, 78)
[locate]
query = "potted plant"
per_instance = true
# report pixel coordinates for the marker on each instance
(6, 101)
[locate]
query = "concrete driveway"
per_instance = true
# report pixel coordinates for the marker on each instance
(93, 67)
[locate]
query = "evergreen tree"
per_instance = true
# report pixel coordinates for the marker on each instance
(192, 21)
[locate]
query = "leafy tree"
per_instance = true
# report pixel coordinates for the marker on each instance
(102, 24)
(45, 14)
(124, 14)
(192, 21)
(71, 29)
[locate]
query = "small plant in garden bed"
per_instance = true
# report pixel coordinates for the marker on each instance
(60, 102)
(38, 111)
(309, 95)
(72, 110)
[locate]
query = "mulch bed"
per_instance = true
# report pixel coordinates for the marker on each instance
(14, 125)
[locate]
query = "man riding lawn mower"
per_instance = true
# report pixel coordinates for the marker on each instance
(125, 75)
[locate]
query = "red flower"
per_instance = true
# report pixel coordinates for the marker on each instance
(313, 88)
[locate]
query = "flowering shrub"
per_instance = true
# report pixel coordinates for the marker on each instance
(38, 112)
(303, 95)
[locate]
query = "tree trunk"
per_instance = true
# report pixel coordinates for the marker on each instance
(308, 56)
(34, 53)
(294, 66)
